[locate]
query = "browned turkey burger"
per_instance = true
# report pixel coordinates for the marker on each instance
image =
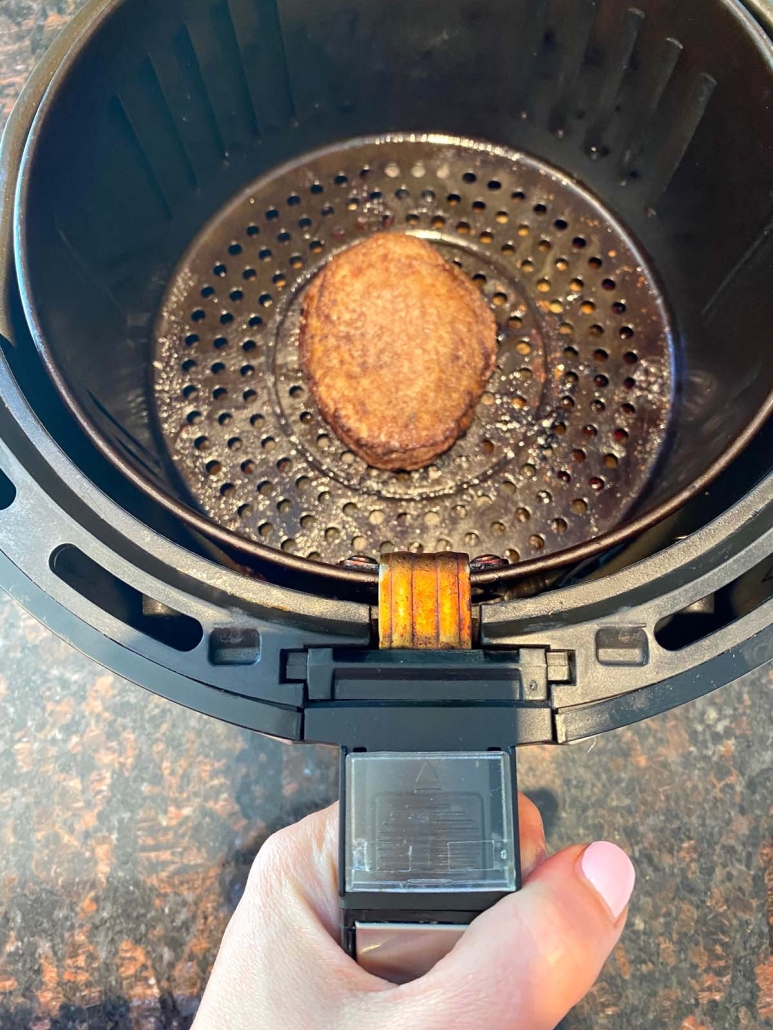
(397, 346)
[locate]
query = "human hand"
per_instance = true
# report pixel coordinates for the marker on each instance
(522, 965)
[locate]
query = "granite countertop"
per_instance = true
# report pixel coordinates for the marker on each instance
(128, 825)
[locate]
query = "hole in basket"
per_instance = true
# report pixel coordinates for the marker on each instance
(136, 610)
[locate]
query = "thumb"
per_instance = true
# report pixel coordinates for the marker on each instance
(528, 960)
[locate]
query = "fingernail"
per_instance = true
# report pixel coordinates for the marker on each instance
(610, 872)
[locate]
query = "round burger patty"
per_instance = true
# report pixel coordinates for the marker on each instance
(397, 347)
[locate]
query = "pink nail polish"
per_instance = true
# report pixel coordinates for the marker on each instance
(610, 872)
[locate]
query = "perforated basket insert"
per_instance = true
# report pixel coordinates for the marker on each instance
(573, 419)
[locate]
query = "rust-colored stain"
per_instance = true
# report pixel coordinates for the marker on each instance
(693, 1023)
(424, 601)
(764, 970)
(622, 962)
(764, 973)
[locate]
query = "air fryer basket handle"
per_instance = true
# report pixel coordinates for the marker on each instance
(427, 841)
(428, 837)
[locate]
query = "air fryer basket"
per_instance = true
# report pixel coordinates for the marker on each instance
(633, 308)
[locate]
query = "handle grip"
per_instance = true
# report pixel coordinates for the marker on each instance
(428, 840)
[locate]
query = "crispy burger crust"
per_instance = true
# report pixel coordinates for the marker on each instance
(397, 347)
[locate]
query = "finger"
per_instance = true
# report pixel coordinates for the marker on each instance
(532, 836)
(283, 939)
(528, 960)
(304, 859)
(280, 949)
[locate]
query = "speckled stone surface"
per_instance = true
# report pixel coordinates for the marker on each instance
(127, 825)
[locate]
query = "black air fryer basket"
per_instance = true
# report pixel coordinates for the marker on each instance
(174, 503)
